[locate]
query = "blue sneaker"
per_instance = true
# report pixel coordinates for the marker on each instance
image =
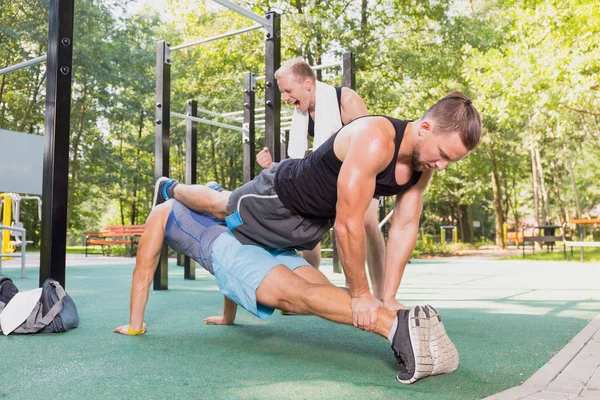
(163, 190)
(215, 186)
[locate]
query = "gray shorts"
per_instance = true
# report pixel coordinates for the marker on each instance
(260, 218)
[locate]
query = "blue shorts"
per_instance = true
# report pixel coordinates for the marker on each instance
(239, 269)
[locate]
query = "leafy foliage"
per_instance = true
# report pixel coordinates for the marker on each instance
(531, 68)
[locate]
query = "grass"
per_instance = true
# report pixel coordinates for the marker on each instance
(591, 255)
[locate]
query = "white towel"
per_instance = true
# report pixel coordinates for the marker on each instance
(327, 121)
(18, 309)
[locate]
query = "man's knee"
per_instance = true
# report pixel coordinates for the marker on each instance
(371, 223)
(282, 289)
(158, 215)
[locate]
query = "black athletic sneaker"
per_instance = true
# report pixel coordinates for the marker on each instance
(161, 192)
(411, 345)
(443, 352)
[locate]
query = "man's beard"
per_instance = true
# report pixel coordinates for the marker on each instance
(415, 164)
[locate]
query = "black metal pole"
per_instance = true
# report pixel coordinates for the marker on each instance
(349, 70)
(284, 140)
(59, 71)
(382, 215)
(162, 142)
(191, 169)
(272, 95)
(349, 80)
(249, 137)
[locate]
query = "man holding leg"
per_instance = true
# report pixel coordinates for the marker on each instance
(261, 279)
(295, 202)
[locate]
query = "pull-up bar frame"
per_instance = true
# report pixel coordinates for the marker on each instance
(218, 37)
(271, 24)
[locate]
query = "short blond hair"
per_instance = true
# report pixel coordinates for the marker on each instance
(298, 67)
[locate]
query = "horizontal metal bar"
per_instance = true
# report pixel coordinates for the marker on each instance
(387, 217)
(12, 228)
(22, 65)
(243, 11)
(256, 116)
(215, 114)
(12, 255)
(229, 114)
(218, 37)
(325, 66)
(315, 68)
(208, 122)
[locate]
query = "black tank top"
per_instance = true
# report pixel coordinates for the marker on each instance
(311, 122)
(308, 186)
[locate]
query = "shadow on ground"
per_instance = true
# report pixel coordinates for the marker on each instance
(282, 358)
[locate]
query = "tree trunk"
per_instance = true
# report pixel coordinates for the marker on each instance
(136, 180)
(76, 141)
(470, 224)
(534, 180)
(39, 79)
(542, 187)
(556, 188)
(498, 208)
(575, 191)
(2, 86)
(213, 154)
(461, 222)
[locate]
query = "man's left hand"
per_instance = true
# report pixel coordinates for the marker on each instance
(364, 311)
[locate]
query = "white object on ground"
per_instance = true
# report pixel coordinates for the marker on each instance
(18, 309)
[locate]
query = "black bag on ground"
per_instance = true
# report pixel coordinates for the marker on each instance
(7, 292)
(54, 312)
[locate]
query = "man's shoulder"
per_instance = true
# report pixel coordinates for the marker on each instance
(378, 129)
(348, 95)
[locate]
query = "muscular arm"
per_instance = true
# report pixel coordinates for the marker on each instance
(403, 236)
(353, 106)
(365, 158)
(146, 262)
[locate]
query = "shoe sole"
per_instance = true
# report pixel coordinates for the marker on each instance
(444, 353)
(420, 332)
(157, 189)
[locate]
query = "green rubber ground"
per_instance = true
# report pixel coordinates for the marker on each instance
(284, 357)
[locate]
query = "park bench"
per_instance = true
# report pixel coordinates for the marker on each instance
(114, 235)
(544, 235)
(568, 240)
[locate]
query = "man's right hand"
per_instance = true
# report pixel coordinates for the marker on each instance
(264, 158)
(364, 311)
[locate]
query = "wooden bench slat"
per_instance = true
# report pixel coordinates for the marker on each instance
(115, 235)
(109, 242)
(544, 239)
